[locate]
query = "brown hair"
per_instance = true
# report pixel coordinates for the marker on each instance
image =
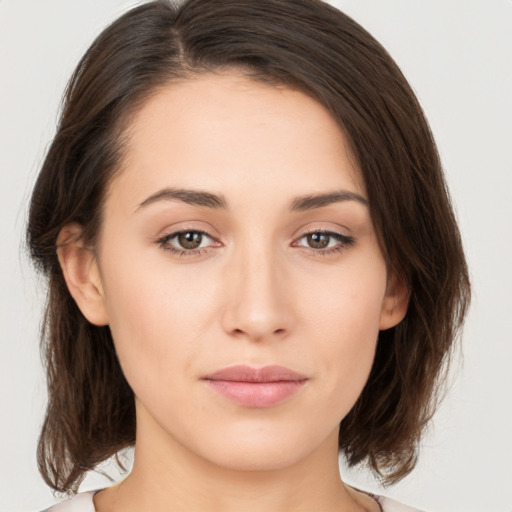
(307, 45)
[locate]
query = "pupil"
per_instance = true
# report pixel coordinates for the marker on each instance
(318, 240)
(190, 240)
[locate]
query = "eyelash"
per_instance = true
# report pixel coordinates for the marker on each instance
(344, 242)
(182, 253)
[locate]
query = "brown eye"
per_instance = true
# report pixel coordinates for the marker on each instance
(187, 243)
(324, 242)
(318, 240)
(189, 239)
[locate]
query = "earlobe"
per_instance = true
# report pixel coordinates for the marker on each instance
(81, 273)
(395, 303)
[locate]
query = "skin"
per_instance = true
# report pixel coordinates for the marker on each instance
(256, 293)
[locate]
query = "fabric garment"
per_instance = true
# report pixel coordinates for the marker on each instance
(83, 503)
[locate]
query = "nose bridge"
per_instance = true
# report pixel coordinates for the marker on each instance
(259, 305)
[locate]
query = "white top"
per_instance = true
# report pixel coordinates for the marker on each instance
(83, 503)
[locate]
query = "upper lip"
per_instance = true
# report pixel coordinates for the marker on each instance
(244, 373)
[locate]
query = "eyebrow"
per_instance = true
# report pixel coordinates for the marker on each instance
(194, 197)
(210, 200)
(313, 201)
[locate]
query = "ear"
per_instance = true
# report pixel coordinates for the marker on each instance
(395, 303)
(81, 273)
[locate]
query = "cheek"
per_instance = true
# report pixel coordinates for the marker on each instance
(156, 317)
(348, 301)
(345, 317)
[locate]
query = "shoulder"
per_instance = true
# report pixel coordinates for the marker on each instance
(80, 503)
(390, 505)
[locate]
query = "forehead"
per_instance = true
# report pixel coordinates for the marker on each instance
(223, 132)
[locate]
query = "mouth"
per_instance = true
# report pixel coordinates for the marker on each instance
(256, 387)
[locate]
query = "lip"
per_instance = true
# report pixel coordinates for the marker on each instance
(256, 387)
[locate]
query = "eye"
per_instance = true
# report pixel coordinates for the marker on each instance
(187, 241)
(190, 239)
(318, 240)
(324, 242)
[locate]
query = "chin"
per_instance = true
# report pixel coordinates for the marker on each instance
(259, 448)
(257, 458)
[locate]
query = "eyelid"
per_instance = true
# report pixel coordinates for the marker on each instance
(337, 230)
(176, 234)
(163, 241)
(344, 241)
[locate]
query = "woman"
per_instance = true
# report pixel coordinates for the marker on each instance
(253, 262)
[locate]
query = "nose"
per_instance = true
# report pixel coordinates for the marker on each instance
(260, 300)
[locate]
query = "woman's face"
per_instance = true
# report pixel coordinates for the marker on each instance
(236, 238)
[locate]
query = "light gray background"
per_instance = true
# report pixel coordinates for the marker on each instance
(457, 55)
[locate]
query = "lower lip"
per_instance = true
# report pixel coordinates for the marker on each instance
(256, 394)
